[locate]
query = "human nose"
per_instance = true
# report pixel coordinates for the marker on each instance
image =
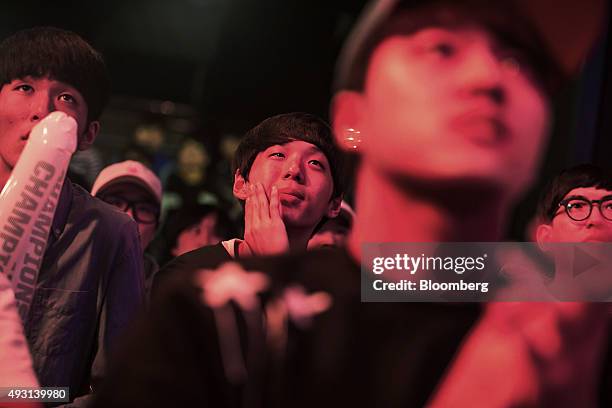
(293, 170)
(596, 216)
(482, 74)
(42, 105)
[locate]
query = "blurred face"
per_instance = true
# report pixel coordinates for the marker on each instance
(332, 234)
(595, 228)
(197, 235)
(138, 204)
(303, 177)
(452, 104)
(24, 102)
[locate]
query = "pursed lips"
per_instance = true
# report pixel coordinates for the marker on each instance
(292, 192)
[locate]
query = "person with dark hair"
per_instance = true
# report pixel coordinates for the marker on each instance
(577, 206)
(287, 175)
(576, 209)
(90, 282)
(449, 118)
(333, 232)
(283, 129)
(190, 228)
(287, 166)
(60, 55)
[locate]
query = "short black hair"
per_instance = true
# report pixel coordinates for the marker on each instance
(285, 128)
(183, 218)
(582, 175)
(61, 55)
(501, 18)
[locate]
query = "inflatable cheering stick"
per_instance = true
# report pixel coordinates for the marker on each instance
(29, 200)
(16, 368)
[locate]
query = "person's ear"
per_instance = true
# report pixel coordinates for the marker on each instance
(240, 186)
(333, 209)
(544, 236)
(89, 136)
(347, 111)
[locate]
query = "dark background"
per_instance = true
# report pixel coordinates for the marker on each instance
(234, 61)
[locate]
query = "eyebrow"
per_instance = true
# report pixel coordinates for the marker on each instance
(311, 150)
(576, 196)
(315, 149)
(435, 31)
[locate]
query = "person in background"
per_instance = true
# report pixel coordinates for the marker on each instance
(334, 231)
(190, 228)
(190, 182)
(574, 209)
(577, 206)
(135, 190)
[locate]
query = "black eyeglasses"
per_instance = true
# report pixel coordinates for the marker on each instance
(580, 208)
(142, 211)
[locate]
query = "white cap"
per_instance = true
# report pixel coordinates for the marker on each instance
(131, 171)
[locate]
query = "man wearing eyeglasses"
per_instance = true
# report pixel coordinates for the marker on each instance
(137, 191)
(577, 207)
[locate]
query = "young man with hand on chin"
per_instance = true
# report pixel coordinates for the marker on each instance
(287, 175)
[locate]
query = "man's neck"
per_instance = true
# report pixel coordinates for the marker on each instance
(298, 238)
(392, 211)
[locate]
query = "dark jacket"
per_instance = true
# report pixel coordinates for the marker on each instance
(354, 354)
(89, 286)
(206, 257)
